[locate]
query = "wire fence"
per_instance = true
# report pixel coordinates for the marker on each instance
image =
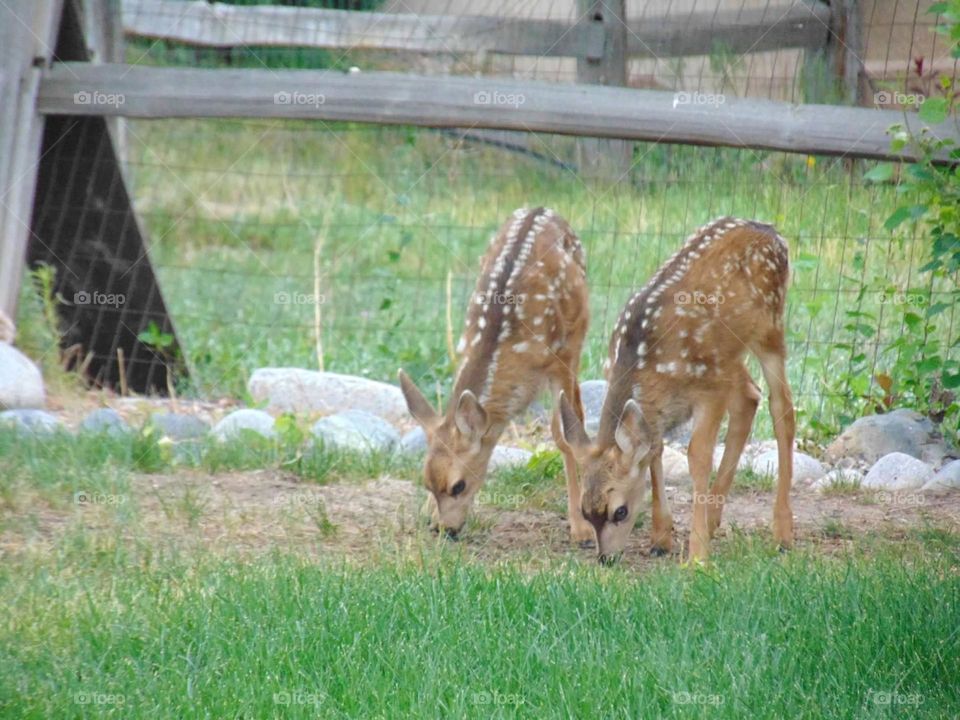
(269, 236)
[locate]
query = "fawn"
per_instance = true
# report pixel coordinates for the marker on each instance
(678, 350)
(525, 327)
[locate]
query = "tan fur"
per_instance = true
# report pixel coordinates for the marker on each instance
(524, 329)
(678, 349)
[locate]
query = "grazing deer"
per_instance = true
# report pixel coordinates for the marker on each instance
(678, 350)
(524, 329)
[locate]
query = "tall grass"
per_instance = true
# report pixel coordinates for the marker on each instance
(125, 631)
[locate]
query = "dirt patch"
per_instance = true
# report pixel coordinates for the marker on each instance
(263, 511)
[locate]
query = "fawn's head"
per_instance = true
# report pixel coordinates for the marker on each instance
(611, 475)
(456, 460)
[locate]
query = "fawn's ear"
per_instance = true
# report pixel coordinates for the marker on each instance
(633, 433)
(470, 416)
(571, 426)
(417, 404)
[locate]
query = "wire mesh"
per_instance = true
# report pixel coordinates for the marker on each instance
(265, 235)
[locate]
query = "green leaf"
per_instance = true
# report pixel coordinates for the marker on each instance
(934, 110)
(898, 216)
(951, 380)
(881, 173)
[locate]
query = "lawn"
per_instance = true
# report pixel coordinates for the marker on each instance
(115, 629)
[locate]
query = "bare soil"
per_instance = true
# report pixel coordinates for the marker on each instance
(258, 512)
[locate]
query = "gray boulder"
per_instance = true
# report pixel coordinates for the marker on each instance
(898, 471)
(838, 477)
(21, 384)
(901, 431)
(506, 456)
(232, 426)
(178, 426)
(806, 469)
(414, 442)
(592, 395)
(30, 421)
(676, 469)
(304, 391)
(104, 420)
(356, 430)
(946, 480)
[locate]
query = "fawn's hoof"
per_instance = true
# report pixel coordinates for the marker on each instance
(658, 551)
(589, 544)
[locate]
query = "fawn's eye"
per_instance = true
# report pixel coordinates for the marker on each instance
(458, 488)
(620, 514)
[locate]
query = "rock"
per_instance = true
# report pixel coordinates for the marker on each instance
(838, 477)
(898, 471)
(104, 420)
(178, 426)
(947, 480)
(21, 384)
(414, 442)
(232, 426)
(356, 430)
(506, 456)
(806, 469)
(901, 431)
(30, 421)
(298, 390)
(676, 470)
(592, 394)
(681, 433)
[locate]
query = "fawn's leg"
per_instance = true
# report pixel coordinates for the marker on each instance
(742, 406)
(706, 424)
(773, 361)
(581, 531)
(661, 537)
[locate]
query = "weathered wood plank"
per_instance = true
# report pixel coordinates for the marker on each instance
(398, 99)
(27, 35)
(802, 24)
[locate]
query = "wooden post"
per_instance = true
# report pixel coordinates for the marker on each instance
(596, 157)
(27, 35)
(845, 50)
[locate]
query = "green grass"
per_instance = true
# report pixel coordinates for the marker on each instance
(121, 630)
(61, 466)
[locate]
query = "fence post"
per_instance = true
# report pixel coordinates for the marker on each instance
(845, 47)
(27, 35)
(599, 157)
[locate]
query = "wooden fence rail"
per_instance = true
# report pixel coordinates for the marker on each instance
(801, 25)
(464, 102)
